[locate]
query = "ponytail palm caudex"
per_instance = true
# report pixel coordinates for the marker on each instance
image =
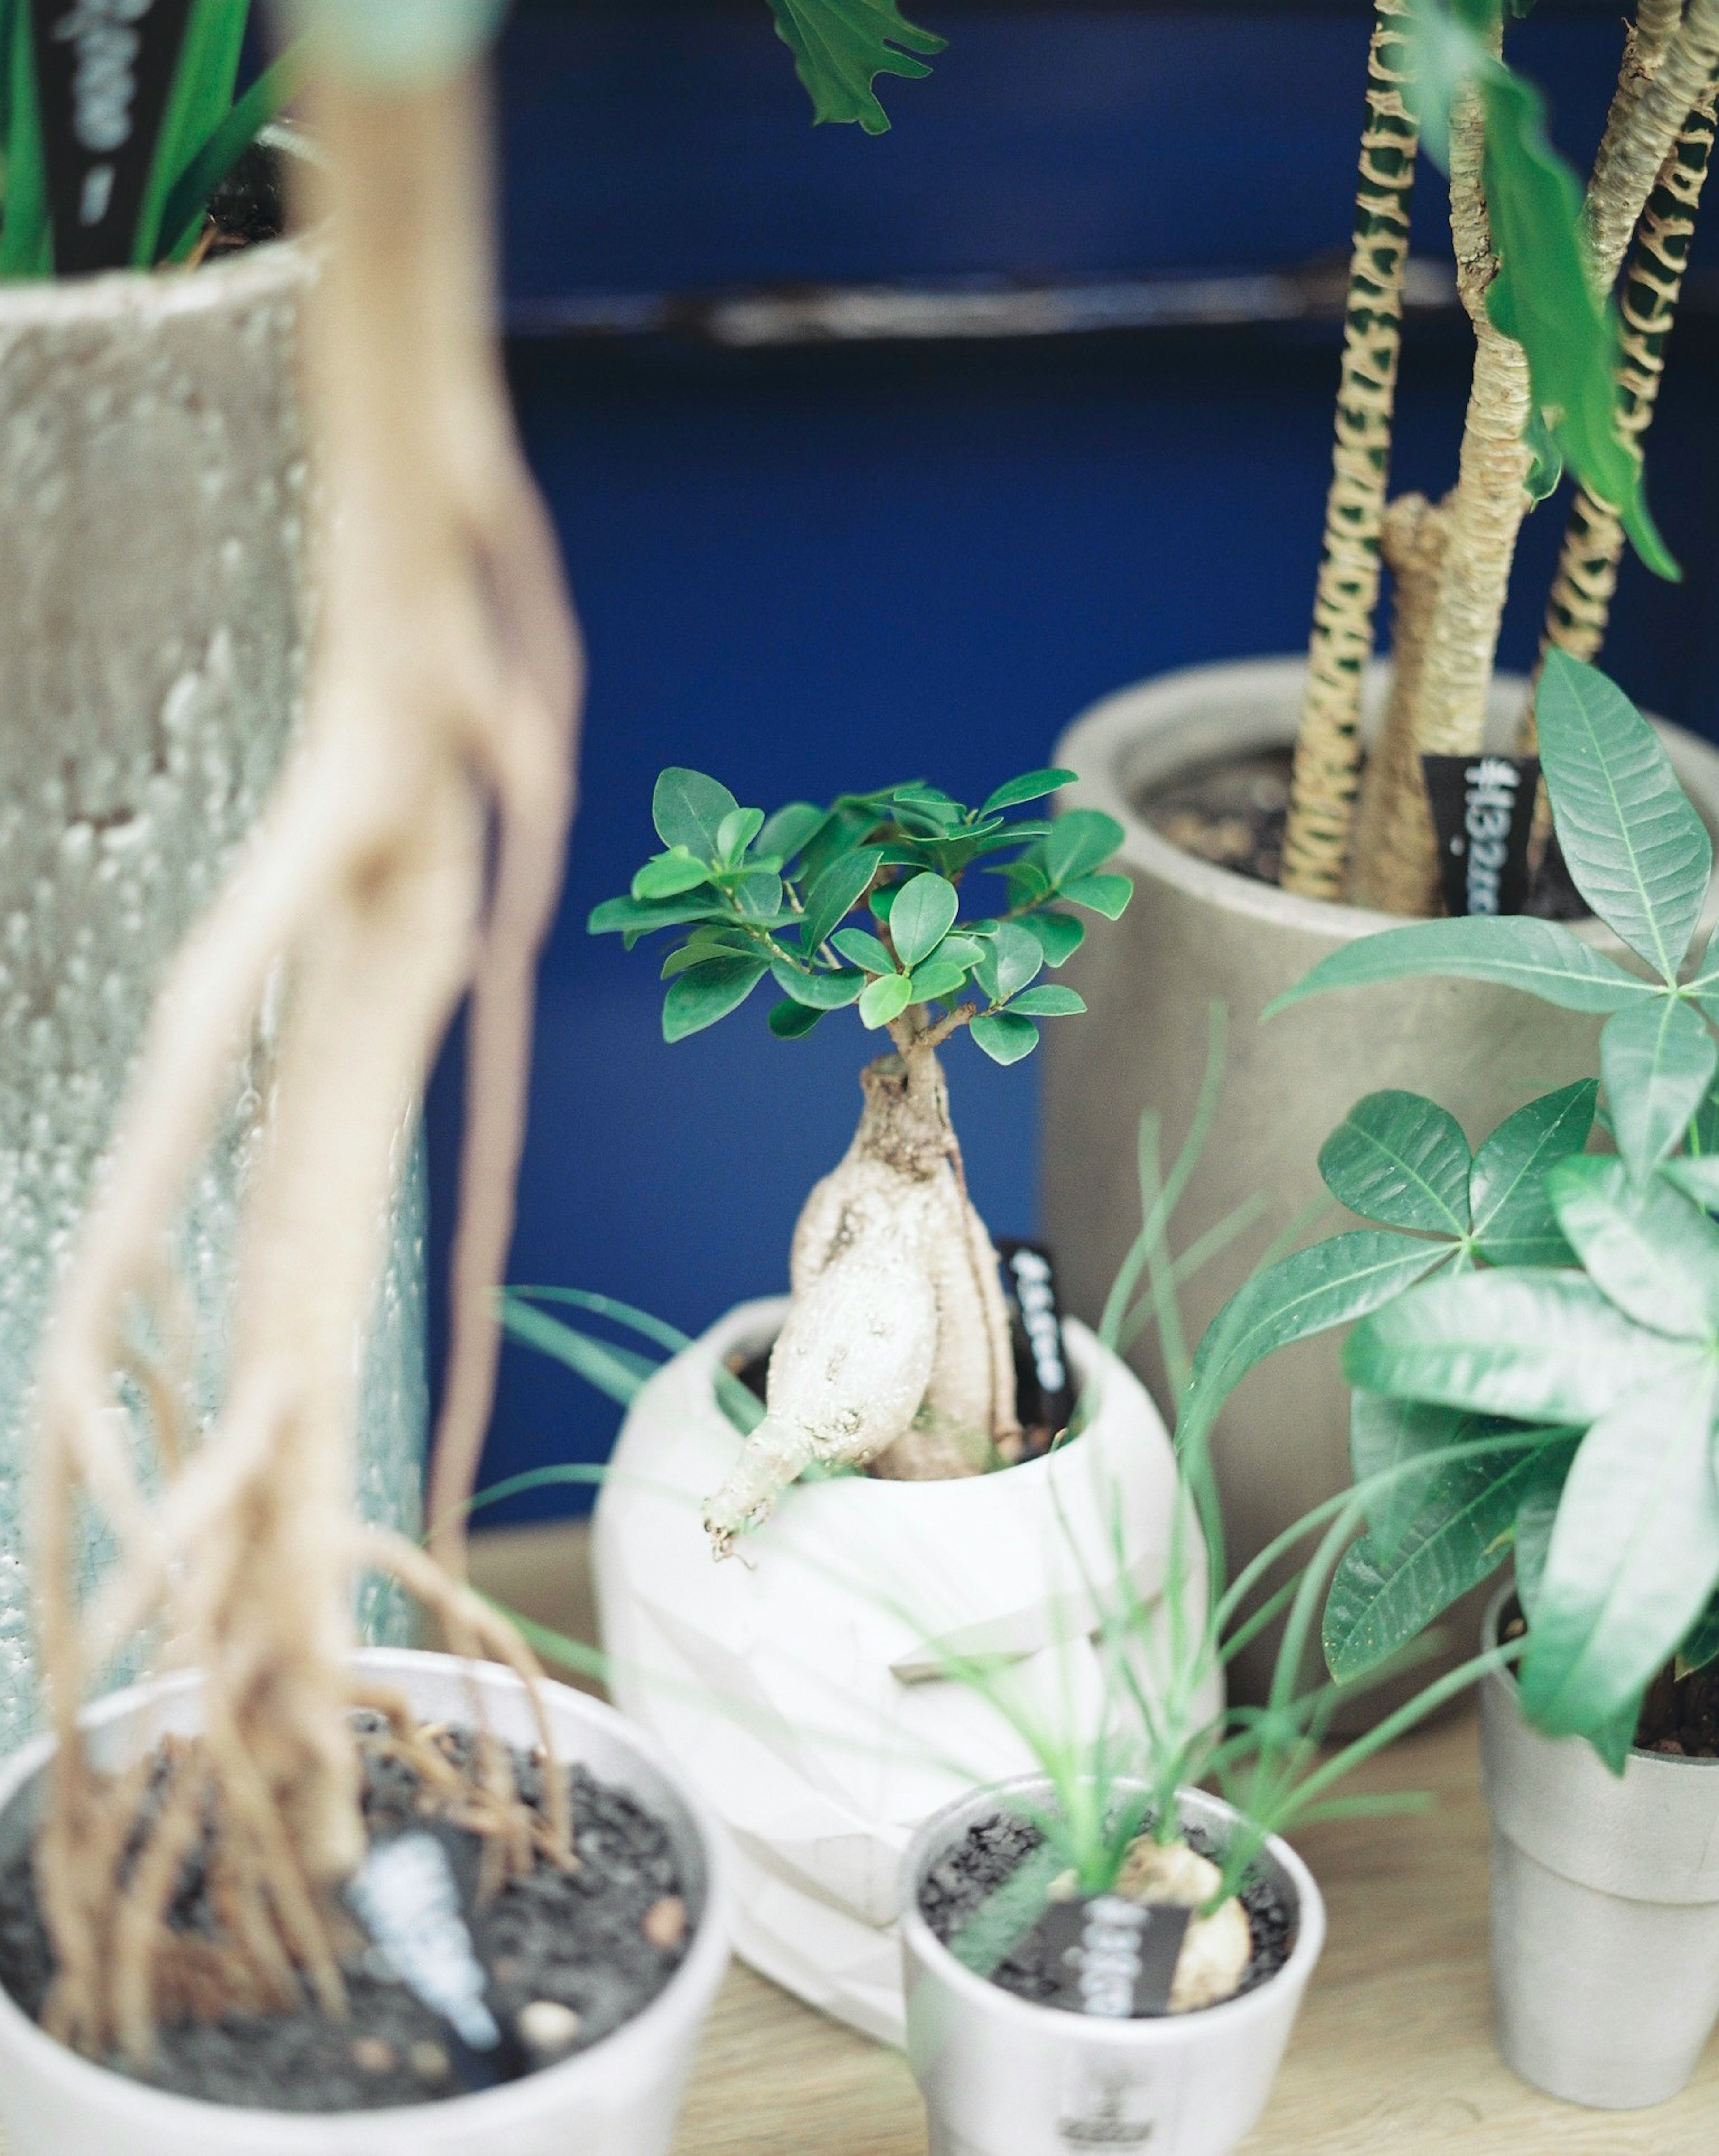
(896, 1351)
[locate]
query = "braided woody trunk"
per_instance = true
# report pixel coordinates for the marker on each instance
(1327, 747)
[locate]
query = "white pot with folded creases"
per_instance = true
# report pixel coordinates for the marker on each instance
(621, 2097)
(1605, 1907)
(801, 1685)
(1001, 2076)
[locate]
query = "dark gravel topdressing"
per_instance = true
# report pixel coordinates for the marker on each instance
(575, 1939)
(994, 1850)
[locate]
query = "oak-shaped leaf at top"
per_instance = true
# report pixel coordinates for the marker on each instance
(841, 47)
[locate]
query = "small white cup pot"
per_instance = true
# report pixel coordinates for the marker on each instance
(1605, 1907)
(1002, 2076)
(619, 2098)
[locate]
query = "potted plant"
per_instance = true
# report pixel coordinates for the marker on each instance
(153, 472)
(283, 1875)
(1567, 1337)
(1256, 840)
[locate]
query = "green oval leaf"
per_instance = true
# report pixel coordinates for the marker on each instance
(1401, 1159)
(791, 827)
(1108, 894)
(790, 1021)
(1015, 958)
(687, 808)
(1635, 848)
(1080, 841)
(1058, 935)
(1004, 1038)
(1515, 952)
(885, 999)
(736, 831)
(667, 875)
(1513, 1222)
(861, 947)
(1030, 786)
(1646, 1247)
(705, 993)
(935, 978)
(1657, 1062)
(1049, 1002)
(921, 915)
(822, 991)
(835, 894)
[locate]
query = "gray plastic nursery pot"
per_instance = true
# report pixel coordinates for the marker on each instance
(1194, 934)
(1605, 1907)
(1003, 2076)
(621, 2097)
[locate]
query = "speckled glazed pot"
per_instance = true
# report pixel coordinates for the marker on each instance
(621, 2097)
(1195, 934)
(153, 517)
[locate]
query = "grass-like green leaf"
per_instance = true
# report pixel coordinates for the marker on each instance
(1635, 848)
(1514, 952)
(26, 227)
(706, 993)
(1400, 1158)
(1648, 1249)
(618, 1372)
(841, 47)
(1003, 1037)
(1513, 1222)
(187, 200)
(1657, 1062)
(921, 915)
(1541, 1346)
(1633, 1559)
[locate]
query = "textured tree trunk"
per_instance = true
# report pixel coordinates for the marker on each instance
(896, 1353)
(1327, 748)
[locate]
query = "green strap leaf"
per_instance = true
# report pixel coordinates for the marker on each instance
(1634, 1558)
(840, 47)
(1514, 1224)
(1645, 1246)
(188, 200)
(620, 1372)
(1635, 848)
(1403, 1159)
(1657, 1062)
(1545, 1347)
(1515, 951)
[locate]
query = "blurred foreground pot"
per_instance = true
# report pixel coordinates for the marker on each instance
(799, 1686)
(1002, 2076)
(619, 2098)
(1605, 1907)
(1196, 934)
(153, 534)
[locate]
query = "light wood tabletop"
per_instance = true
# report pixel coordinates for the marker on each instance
(1393, 2051)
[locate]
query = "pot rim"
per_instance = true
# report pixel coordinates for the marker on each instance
(1504, 1682)
(1095, 742)
(159, 2108)
(1084, 1345)
(1158, 2032)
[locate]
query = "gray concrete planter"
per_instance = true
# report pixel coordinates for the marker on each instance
(1605, 1908)
(1195, 934)
(153, 521)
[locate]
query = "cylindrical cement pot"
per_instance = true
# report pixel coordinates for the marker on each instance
(1605, 1907)
(1002, 2076)
(800, 1686)
(619, 2098)
(1196, 934)
(153, 655)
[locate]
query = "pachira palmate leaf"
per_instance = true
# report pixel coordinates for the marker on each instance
(840, 48)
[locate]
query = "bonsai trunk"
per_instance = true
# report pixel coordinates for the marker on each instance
(896, 1353)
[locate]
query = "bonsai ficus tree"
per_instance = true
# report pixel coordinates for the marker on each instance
(895, 1351)
(1568, 362)
(1535, 1365)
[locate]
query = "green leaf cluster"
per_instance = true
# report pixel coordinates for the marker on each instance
(783, 897)
(1570, 1345)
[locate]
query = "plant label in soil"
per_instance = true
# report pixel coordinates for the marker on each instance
(1483, 811)
(103, 69)
(407, 1899)
(1115, 1958)
(1043, 1395)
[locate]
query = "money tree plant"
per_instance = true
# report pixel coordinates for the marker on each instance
(896, 1353)
(1569, 1340)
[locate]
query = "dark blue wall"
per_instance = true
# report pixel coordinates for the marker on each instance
(811, 570)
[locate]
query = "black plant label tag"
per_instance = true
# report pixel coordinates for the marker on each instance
(104, 71)
(1114, 1959)
(1483, 811)
(1043, 1390)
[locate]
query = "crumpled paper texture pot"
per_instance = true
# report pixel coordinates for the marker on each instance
(798, 1686)
(1605, 1907)
(1195, 934)
(1002, 2076)
(620, 2098)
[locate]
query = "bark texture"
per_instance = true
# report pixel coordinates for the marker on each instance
(1327, 746)
(895, 1351)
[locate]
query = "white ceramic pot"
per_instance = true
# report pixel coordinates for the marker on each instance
(1196, 933)
(619, 2098)
(1605, 1907)
(800, 1687)
(1002, 2076)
